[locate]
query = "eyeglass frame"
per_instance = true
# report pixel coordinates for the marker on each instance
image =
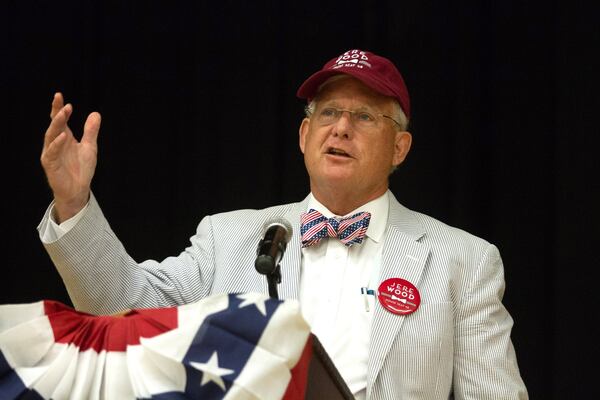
(352, 113)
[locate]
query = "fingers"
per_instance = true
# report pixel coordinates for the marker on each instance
(91, 128)
(58, 124)
(57, 103)
(52, 151)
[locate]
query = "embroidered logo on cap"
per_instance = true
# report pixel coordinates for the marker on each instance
(352, 59)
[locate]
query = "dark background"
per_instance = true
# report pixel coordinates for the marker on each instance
(200, 116)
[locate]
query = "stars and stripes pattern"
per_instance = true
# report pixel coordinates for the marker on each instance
(235, 346)
(350, 230)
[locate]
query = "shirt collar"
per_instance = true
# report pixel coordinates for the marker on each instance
(378, 208)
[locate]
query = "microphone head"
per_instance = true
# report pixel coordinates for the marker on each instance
(283, 223)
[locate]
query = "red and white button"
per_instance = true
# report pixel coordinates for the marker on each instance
(399, 296)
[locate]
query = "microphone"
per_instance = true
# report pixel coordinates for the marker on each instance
(277, 233)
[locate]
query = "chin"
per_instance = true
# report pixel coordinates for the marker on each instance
(338, 178)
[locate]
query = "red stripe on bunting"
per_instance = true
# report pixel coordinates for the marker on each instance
(296, 389)
(107, 332)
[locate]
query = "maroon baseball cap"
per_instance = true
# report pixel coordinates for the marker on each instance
(375, 71)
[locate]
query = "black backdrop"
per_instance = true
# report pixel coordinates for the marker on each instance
(200, 116)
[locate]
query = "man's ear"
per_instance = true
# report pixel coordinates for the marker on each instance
(303, 131)
(401, 147)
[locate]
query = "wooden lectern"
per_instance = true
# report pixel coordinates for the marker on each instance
(324, 380)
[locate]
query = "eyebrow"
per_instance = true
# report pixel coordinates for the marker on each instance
(334, 104)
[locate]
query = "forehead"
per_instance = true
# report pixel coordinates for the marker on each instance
(347, 91)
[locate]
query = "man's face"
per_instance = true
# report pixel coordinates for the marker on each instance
(341, 157)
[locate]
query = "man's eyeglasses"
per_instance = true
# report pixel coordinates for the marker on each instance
(361, 120)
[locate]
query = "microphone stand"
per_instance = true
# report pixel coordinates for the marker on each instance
(273, 279)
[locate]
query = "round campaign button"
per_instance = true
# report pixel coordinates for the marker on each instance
(399, 296)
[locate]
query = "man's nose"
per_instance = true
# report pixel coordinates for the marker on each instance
(343, 126)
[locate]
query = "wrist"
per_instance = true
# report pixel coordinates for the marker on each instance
(66, 209)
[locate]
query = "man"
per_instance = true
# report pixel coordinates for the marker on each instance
(410, 311)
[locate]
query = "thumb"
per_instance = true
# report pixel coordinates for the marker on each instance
(91, 128)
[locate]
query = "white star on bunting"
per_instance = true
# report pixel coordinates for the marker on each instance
(211, 372)
(257, 299)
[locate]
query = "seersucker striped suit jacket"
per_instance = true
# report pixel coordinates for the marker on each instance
(456, 345)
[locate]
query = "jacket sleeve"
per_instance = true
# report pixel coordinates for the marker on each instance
(101, 278)
(485, 364)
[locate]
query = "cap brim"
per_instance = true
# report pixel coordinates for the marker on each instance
(310, 87)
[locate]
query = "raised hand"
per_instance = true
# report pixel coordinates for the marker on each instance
(69, 164)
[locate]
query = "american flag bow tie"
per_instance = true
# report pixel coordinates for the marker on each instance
(350, 230)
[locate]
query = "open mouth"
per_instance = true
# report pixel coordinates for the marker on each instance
(337, 152)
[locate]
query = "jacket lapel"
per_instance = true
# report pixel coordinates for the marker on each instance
(403, 257)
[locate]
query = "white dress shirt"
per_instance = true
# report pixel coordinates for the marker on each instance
(330, 293)
(55, 231)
